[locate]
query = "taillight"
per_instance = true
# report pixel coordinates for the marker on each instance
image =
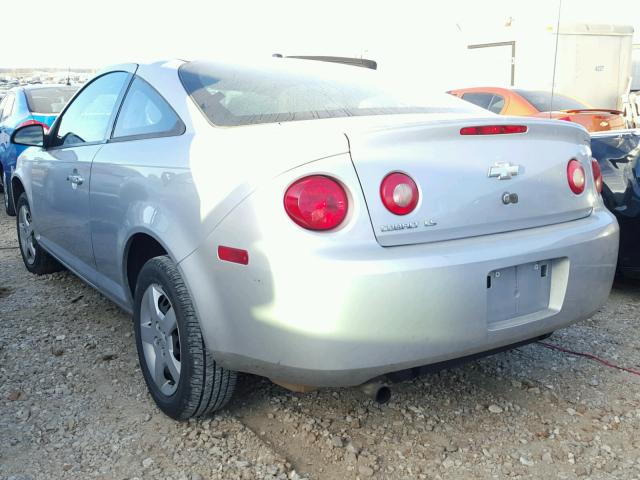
(576, 176)
(597, 174)
(493, 129)
(45, 127)
(566, 119)
(316, 203)
(399, 193)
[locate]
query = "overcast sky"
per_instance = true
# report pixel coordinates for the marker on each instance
(85, 33)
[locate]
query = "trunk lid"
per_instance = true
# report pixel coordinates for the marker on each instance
(458, 198)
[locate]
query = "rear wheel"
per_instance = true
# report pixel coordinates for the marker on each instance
(35, 258)
(183, 378)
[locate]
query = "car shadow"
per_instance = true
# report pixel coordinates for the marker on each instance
(626, 284)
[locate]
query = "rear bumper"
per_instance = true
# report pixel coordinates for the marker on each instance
(339, 318)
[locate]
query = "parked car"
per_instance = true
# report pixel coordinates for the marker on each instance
(29, 105)
(534, 103)
(617, 154)
(309, 222)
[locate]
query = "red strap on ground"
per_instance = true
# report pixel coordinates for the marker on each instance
(589, 356)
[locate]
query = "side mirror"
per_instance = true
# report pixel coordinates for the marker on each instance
(29, 135)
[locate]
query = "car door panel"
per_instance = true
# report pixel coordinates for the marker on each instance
(131, 189)
(62, 172)
(132, 178)
(61, 204)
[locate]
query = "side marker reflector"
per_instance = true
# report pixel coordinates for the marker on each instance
(234, 255)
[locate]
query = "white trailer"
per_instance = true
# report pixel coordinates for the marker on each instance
(594, 63)
(635, 68)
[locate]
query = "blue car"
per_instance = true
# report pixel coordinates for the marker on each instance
(32, 104)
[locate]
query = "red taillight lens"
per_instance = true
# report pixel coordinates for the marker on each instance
(399, 193)
(316, 203)
(566, 119)
(45, 127)
(235, 255)
(493, 130)
(597, 175)
(576, 176)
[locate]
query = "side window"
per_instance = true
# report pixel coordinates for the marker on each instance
(478, 98)
(7, 110)
(88, 117)
(497, 104)
(3, 102)
(145, 114)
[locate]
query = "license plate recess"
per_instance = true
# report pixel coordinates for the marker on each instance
(518, 290)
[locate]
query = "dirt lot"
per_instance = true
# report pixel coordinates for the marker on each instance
(73, 405)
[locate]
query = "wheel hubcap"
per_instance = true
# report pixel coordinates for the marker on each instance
(160, 339)
(26, 235)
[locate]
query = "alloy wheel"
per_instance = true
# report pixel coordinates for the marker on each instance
(160, 339)
(27, 235)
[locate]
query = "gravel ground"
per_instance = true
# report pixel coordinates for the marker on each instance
(73, 405)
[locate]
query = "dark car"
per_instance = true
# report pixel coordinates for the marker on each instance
(617, 154)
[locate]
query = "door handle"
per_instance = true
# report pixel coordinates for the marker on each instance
(75, 179)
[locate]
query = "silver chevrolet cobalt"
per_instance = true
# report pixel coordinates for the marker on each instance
(313, 223)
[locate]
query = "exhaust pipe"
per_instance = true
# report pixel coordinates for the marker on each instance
(377, 391)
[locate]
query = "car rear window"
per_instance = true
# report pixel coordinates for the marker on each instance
(545, 102)
(284, 90)
(48, 99)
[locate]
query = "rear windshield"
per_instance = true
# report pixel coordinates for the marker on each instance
(542, 101)
(284, 90)
(48, 99)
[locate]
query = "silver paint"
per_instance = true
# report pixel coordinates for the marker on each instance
(339, 307)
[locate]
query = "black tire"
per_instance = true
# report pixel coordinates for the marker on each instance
(203, 386)
(37, 260)
(1, 179)
(8, 202)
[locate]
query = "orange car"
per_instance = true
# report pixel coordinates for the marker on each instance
(534, 103)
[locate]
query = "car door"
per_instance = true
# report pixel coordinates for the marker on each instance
(138, 169)
(61, 172)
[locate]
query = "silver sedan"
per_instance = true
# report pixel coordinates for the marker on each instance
(312, 223)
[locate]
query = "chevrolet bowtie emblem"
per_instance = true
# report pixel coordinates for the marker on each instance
(503, 171)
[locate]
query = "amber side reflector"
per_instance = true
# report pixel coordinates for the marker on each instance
(234, 255)
(493, 129)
